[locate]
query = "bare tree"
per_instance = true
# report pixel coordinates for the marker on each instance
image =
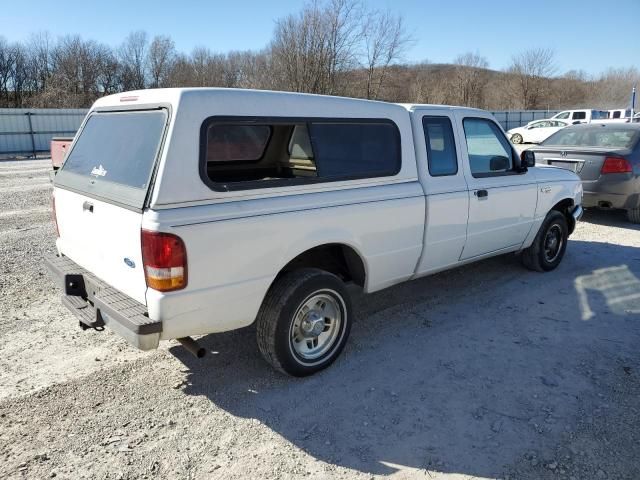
(385, 41)
(40, 47)
(181, 72)
(7, 56)
(310, 51)
(613, 88)
(531, 71)
(109, 71)
(299, 50)
(342, 24)
(132, 55)
(161, 54)
(19, 74)
(470, 78)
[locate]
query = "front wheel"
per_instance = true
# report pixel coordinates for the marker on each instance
(304, 321)
(547, 249)
(517, 139)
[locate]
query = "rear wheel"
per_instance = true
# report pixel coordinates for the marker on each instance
(547, 249)
(517, 138)
(304, 321)
(634, 215)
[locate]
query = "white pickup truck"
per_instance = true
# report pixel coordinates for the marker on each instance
(186, 212)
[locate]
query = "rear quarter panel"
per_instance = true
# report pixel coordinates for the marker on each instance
(236, 250)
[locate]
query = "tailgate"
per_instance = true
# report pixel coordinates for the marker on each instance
(102, 238)
(100, 194)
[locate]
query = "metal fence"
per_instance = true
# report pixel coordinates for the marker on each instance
(28, 131)
(516, 118)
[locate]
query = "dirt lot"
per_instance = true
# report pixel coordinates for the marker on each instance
(487, 371)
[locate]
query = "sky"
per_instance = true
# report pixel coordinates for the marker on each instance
(587, 35)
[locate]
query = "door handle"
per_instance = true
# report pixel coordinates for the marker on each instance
(87, 206)
(481, 193)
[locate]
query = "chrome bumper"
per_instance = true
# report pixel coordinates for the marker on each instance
(577, 212)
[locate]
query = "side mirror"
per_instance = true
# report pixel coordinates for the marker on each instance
(498, 163)
(528, 159)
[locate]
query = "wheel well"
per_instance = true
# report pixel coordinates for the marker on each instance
(341, 260)
(564, 207)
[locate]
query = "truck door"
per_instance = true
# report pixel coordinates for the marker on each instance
(502, 202)
(447, 195)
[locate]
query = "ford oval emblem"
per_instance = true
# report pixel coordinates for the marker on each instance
(130, 263)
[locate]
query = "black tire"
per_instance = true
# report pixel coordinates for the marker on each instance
(538, 256)
(276, 320)
(633, 215)
(516, 138)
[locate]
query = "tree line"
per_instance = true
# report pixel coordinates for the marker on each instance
(335, 47)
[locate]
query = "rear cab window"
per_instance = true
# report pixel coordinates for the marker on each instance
(244, 153)
(114, 156)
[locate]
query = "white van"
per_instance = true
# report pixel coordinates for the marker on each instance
(186, 212)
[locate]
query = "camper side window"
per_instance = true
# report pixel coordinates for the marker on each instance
(260, 153)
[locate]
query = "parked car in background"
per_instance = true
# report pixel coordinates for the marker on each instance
(536, 132)
(193, 211)
(581, 116)
(607, 159)
(59, 148)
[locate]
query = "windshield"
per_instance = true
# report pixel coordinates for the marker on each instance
(114, 155)
(593, 137)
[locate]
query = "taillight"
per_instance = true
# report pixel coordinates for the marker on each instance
(53, 214)
(616, 165)
(164, 258)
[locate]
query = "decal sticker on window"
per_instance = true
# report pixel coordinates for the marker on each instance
(98, 171)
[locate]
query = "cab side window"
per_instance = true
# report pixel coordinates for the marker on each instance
(489, 151)
(441, 148)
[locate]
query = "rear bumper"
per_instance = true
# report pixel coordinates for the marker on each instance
(613, 191)
(625, 201)
(97, 304)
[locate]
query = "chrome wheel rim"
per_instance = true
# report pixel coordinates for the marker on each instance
(317, 325)
(553, 242)
(517, 138)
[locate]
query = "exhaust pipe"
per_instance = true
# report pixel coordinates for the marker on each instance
(192, 346)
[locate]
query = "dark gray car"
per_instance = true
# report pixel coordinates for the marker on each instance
(607, 159)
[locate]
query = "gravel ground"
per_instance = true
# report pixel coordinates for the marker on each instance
(486, 371)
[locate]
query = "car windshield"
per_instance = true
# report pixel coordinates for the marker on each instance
(593, 137)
